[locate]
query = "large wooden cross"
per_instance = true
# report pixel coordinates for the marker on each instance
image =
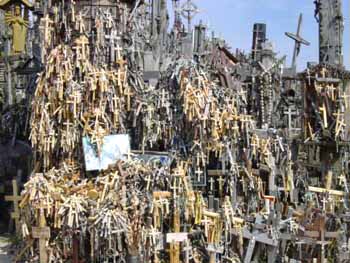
(43, 234)
(15, 198)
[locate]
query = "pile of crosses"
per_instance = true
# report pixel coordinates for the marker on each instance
(144, 154)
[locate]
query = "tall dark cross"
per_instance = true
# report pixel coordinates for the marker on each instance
(329, 15)
(298, 41)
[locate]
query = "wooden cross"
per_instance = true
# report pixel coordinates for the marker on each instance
(290, 113)
(43, 234)
(46, 26)
(112, 37)
(199, 172)
(188, 251)
(332, 90)
(154, 235)
(15, 198)
(346, 100)
(340, 124)
(149, 181)
(221, 184)
(211, 181)
(324, 202)
(128, 93)
(80, 23)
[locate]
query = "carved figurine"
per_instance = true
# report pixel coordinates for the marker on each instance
(17, 22)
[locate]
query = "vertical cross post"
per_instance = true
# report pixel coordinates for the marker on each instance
(15, 198)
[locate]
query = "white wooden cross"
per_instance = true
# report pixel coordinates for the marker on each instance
(199, 172)
(221, 183)
(290, 113)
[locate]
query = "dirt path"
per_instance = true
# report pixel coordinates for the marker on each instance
(4, 244)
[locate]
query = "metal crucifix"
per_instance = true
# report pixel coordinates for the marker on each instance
(298, 41)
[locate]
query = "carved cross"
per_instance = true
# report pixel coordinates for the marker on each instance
(15, 198)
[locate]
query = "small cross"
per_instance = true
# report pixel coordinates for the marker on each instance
(199, 172)
(80, 23)
(211, 181)
(221, 183)
(154, 235)
(206, 223)
(290, 114)
(324, 201)
(83, 42)
(128, 93)
(46, 26)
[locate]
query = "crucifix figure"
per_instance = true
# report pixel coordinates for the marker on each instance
(17, 22)
(188, 11)
(212, 182)
(198, 172)
(298, 41)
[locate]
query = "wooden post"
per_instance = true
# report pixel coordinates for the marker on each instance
(43, 234)
(75, 249)
(15, 198)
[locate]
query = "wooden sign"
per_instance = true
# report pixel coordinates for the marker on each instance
(176, 237)
(41, 232)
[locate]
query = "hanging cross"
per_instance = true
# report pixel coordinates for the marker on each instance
(46, 27)
(43, 234)
(298, 41)
(221, 183)
(198, 172)
(211, 181)
(324, 202)
(128, 93)
(113, 39)
(149, 181)
(80, 23)
(290, 113)
(15, 198)
(83, 42)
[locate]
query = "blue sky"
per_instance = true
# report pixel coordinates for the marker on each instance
(234, 19)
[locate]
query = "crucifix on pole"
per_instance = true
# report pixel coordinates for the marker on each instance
(188, 11)
(298, 41)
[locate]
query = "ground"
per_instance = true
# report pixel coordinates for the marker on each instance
(4, 245)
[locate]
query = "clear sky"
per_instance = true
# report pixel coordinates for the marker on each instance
(234, 19)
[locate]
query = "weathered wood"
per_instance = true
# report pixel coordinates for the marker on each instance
(15, 198)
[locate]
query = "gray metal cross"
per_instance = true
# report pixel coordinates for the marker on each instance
(298, 41)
